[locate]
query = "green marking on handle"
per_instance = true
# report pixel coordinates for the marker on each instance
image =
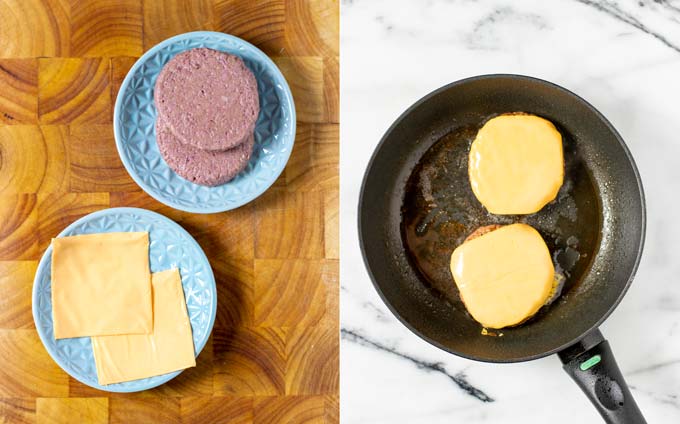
(591, 362)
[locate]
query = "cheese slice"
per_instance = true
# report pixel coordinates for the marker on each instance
(101, 285)
(516, 164)
(169, 348)
(504, 276)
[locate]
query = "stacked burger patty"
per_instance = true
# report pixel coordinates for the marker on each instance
(208, 105)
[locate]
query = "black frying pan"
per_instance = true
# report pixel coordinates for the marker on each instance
(416, 206)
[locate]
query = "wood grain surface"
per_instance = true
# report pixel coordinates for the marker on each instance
(273, 355)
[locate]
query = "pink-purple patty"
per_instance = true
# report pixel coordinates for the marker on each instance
(208, 98)
(204, 167)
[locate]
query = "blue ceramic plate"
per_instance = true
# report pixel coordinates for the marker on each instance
(170, 246)
(134, 120)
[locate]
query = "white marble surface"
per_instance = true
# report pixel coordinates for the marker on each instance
(623, 57)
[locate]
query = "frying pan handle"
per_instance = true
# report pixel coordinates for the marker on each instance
(591, 364)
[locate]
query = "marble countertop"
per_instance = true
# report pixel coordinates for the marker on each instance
(621, 56)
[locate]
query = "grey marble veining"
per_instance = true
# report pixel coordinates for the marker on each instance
(621, 56)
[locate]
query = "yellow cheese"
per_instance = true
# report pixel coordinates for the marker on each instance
(169, 348)
(101, 285)
(504, 276)
(516, 164)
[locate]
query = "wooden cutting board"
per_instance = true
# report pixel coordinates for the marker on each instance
(273, 355)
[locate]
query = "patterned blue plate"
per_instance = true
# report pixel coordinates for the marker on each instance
(134, 117)
(170, 246)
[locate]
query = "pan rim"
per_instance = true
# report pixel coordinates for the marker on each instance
(610, 127)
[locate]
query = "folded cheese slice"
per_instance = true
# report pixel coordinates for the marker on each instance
(169, 348)
(101, 285)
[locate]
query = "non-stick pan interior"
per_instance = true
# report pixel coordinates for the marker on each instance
(602, 193)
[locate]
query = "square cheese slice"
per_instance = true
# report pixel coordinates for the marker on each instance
(169, 348)
(101, 285)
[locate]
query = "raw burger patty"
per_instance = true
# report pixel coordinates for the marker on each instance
(208, 99)
(204, 167)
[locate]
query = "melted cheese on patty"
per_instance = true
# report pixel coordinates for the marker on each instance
(516, 164)
(504, 276)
